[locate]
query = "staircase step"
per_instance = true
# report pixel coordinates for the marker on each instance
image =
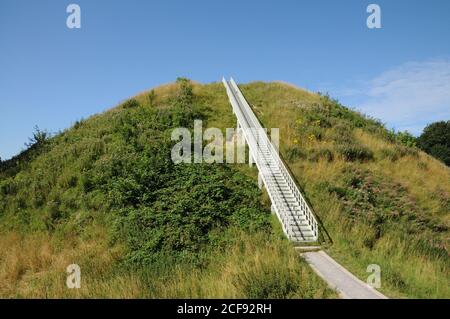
(301, 229)
(297, 219)
(304, 235)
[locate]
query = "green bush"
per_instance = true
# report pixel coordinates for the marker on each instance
(342, 133)
(435, 140)
(406, 139)
(131, 103)
(351, 153)
(151, 98)
(294, 153)
(321, 154)
(39, 138)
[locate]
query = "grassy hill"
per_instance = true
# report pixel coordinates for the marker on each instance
(381, 202)
(105, 194)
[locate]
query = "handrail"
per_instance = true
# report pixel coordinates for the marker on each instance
(258, 141)
(251, 143)
(286, 173)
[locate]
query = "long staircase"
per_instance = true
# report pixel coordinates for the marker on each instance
(294, 213)
(292, 210)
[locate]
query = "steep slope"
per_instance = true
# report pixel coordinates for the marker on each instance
(381, 202)
(105, 195)
(98, 194)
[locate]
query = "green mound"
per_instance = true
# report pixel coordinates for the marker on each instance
(106, 195)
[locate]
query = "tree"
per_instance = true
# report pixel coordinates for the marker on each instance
(184, 109)
(39, 137)
(435, 140)
(151, 97)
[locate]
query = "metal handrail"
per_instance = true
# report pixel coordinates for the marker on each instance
(286, 173)
(247, 119)
(274, 196)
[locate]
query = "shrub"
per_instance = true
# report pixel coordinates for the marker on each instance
(151, 98)
(294, 153)
(39, 138)
(406, 139)
(342, 133)
(131, 103)
(78, 124)
(321, 154)
(353, 153)
(185, 109)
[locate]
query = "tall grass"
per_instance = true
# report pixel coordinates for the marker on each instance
(251, 266)
(104, 195)
(382, 203)
(396, 214)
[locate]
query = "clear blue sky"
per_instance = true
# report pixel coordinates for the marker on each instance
(51, 76)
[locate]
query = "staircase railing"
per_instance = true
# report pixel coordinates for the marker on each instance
(305, 207)
(255, 142)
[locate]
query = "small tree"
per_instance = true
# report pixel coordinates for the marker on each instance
(151, 98)
(406, 138)
(39, 137)
(183, 103)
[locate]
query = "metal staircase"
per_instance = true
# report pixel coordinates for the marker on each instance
(292, 210)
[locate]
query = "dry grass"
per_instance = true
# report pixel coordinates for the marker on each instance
(252, 267)
(405, 272)
(34, 266)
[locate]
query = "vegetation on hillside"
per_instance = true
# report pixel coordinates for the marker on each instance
(435, 140)
(106, 195)
(382, 202)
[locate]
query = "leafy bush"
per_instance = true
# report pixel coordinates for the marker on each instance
(342, 133)
(406, 139)
(352, 152)
(177, 216)
(321, 154)
(131, 103)
(435, 140)
(186, 109)
(294, 153)
(151, 98)
(39, 138)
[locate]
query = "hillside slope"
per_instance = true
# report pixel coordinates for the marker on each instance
(381, 202)
(106, 195)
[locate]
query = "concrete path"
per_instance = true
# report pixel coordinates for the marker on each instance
(339, 278)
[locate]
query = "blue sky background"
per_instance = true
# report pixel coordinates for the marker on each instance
(51, 76)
